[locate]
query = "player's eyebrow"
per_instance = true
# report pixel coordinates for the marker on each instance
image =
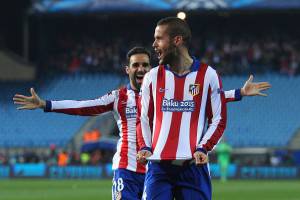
(140, 63)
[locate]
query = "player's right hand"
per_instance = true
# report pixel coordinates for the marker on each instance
(142, 156)
(29, 102)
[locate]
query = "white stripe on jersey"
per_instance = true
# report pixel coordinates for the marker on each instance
(202, 114)
(215, 100)
(230, 94)
(145, 126)
(166, 116)
(183, 137)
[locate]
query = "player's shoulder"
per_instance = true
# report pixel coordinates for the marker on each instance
(117, 91)
(207, 66)
(151, 74)
(210, 69)
(154, 70)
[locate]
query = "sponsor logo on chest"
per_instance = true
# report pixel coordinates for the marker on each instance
(131, 112)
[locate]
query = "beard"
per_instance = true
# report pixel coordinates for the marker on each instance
(133, 78)
(171, 54)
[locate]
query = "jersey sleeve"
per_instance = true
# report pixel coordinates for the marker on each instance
(85, 107)
(145, 115)
(216, 113)
(233, 95)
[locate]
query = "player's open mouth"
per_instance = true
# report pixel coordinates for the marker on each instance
(158, 53)
(139, 77)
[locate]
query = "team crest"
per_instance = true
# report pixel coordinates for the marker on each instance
(194, 89)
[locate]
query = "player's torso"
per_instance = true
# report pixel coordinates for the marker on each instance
(125, 112)
(179, 112)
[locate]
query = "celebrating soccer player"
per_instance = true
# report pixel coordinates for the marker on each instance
(177, 98)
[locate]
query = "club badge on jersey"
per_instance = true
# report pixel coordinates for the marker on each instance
(194, 89)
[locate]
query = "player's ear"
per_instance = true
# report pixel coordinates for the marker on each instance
(178, 40)
(127, 69)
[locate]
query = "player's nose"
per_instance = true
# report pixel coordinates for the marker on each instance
(140, 68)
(154, 44)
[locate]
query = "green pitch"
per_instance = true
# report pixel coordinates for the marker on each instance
(28, 189)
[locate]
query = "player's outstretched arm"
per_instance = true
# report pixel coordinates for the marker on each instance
(29, 102)
(254, 89)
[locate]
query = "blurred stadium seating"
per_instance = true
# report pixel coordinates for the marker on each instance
(38, 129)
(253, 122)
(264, 122)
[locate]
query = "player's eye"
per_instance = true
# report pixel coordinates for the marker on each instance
(145, 64)
(135, 65)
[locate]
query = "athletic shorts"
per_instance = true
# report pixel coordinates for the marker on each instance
(127, 185)
(166, 181)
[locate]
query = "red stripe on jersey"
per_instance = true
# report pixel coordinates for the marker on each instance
(208, 110)
(139, 167)
(160, 93)
(151, 108)
(170, 148)
(122, 109)
(195, 115)
(139, 136)
(86, 111)
(221, 126)
(229, 100)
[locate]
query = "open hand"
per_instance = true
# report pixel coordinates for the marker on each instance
(254, 89)
(29, 102)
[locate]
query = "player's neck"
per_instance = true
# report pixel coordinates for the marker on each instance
(182, 64)
(133, 87)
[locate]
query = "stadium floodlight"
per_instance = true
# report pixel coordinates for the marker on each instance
(181, 15)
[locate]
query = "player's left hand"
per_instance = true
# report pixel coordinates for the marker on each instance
(142, 156)
(254, 89)
(200, 158)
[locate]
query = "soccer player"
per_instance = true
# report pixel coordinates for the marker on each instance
(177, 98)
(128, 180)
(223, 153)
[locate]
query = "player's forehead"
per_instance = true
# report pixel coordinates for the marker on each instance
(139, 58)
(160, 30)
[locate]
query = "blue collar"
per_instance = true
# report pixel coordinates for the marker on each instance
(194, 67)
(128, 86)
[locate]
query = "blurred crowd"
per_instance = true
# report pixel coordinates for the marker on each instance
(228, 54)
(56, 157)
(244, 55)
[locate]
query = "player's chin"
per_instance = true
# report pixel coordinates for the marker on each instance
(161, 61)
(139, 81)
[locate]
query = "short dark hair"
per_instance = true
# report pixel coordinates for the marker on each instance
(177, 26)
(137, 50)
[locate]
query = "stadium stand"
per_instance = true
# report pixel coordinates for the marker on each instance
(37, 129)
(260, 122)
(253, 122)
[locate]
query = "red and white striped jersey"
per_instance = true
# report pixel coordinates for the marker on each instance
(174, 110)
(122, 103)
